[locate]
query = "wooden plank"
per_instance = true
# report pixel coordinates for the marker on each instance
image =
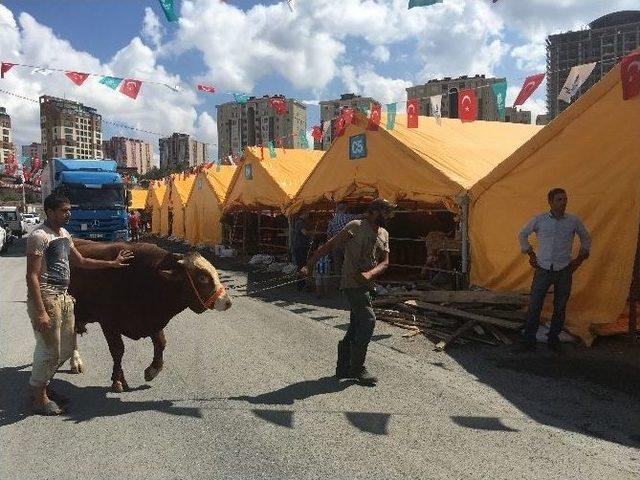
(516, 315)
(495, 331)
(442, 344)
(454, 312)
(462, 296)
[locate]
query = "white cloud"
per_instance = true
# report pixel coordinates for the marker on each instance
(530, 57)
(381, 53)
(152, 29)
(368, 83)
(157, 108)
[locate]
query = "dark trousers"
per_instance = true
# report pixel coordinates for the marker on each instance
(300, 255)
(542, 280)
(362, 319)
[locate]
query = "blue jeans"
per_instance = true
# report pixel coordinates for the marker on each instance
(542, 280)
(362, 319)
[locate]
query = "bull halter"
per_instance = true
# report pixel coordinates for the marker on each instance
(211, 299)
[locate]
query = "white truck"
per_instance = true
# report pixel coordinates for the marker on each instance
(13, 219)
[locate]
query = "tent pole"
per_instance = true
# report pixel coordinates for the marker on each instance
(463, 201)
(633, 295)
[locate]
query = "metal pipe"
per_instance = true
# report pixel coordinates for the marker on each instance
(463, 201)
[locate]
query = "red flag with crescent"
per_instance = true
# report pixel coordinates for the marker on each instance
(130, 87)
(278, 105)
(77, 77)
(529, 86)
(374, 117)
(316, 133)
(339, 126)
(630, 75)
(347, 114)
(206, 88)
(412, 113)
(467, 105)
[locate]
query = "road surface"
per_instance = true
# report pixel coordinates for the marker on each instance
(248, 394)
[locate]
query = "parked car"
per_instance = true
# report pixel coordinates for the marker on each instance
(4, 236)
(13, 218)
(31, 218)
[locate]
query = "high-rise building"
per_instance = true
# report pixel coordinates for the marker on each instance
(542, 119)
(69, 129)
(32, 151)
(128, 152)
(330, 109)
(606, 41)
(6, 142)
(513, 115)
(449, 89)
(256, 122)
(180, 150)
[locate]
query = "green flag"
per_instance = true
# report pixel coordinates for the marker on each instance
(391, 116)
(500, 96)
(169, 12)
(111, 82)
(272, 150)
(423, 3)
(304, 143)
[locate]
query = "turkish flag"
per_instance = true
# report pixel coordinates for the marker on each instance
(528, 87)
(278, 105)
(206, 88)
(339, 126)
(316, 133)
(77, 77)
(36, 164)
(374, 117)
(412, 113)
(347, 114)
(130, 87)
(630, 74)
(467, 105)
(5, 68)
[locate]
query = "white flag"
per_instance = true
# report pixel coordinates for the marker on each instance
(576, 78)
(175, 88)
(42, 71)
(326, 129)
(436, 107)
(292, 4)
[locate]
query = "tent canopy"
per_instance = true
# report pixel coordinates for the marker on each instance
(592, 150)
(269, 183)
(429, 164)
(138, 199)
(180, 190)
(204, 207)
(154, 202)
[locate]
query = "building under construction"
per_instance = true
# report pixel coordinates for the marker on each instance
(606, 41)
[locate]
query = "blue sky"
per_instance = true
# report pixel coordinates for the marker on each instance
(325, 48)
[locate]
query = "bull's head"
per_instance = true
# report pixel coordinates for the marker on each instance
(200, 280)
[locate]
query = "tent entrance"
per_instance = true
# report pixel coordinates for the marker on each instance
(251, 232)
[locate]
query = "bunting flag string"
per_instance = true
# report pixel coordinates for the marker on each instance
(111, 82)
(374, 118)
(169, 10)
(206, 88)
(130, 87)
(5, 67)
(272, 149)
(278, 104)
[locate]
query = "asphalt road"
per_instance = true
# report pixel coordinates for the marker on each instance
(248, 394)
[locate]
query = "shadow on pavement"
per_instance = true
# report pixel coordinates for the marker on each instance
(593, 391)
(298, 391)
(85, 403)
(18, 248)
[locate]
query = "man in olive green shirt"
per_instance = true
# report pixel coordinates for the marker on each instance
(366, 256)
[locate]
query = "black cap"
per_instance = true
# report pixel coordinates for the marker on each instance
(381, 204)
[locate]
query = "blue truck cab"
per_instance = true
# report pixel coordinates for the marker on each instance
(98, 197)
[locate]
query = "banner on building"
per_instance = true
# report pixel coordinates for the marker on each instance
(435, 102)
(391, 116)
(412, 113)
(500, 96)
(467, 105)
(374, 117)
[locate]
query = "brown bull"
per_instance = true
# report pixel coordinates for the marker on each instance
(138, 301)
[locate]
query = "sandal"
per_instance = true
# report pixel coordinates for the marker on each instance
(49, 409)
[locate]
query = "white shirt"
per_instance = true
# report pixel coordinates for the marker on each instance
(555, 239)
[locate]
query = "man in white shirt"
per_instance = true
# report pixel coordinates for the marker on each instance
(50, 307)
(555, 231)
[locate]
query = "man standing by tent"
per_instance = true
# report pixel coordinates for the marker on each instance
(366, 256)
(555, 231)
(337, 223)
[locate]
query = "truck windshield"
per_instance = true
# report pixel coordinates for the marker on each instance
(87, 198)
(8, 216)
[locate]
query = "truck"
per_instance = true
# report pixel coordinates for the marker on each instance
(97, 194)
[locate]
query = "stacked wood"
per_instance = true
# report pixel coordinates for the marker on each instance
(455, 316)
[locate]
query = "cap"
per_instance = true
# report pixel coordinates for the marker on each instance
(381, 204)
